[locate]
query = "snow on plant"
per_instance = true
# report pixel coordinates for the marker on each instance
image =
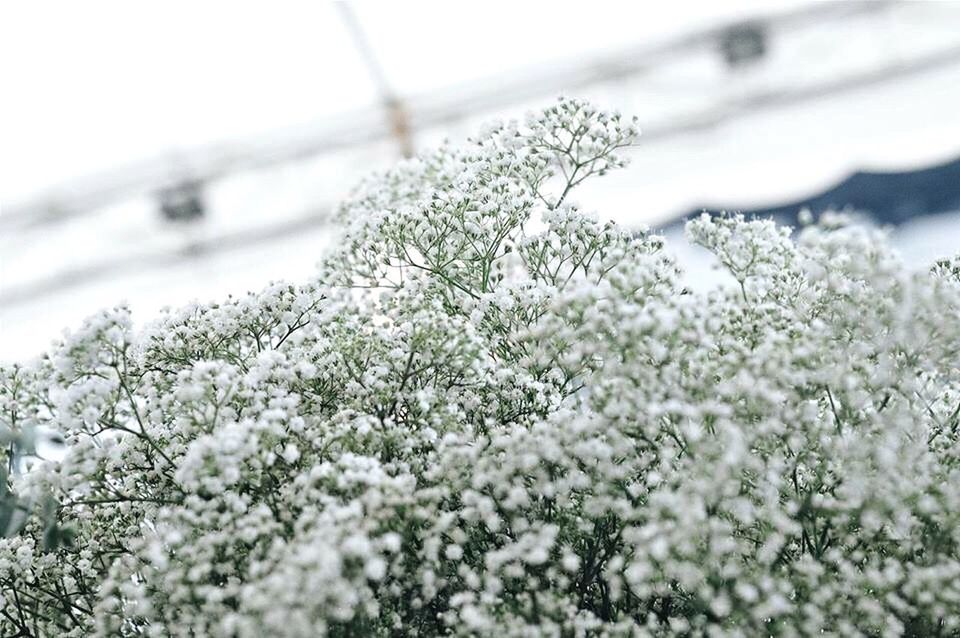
(471, 425)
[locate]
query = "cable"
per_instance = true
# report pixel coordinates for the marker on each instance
(747, 105)
(397, 116)
(208, 164)
(191, 250)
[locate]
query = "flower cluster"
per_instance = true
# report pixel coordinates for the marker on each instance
(492, 414)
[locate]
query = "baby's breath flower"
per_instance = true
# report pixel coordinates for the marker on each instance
(470, 424)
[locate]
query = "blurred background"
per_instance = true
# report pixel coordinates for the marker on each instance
(159, 152)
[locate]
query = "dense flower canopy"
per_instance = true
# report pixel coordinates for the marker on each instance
(493, 414)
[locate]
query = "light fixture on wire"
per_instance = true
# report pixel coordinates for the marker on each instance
(182, 201)
(743, 44)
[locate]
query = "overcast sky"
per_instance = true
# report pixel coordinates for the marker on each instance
(89, 85)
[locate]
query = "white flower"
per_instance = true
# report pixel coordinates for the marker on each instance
(475, 423)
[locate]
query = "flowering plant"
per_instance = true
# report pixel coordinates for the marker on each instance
(492, 414)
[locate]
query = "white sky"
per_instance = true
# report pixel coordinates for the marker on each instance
(89, 85)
